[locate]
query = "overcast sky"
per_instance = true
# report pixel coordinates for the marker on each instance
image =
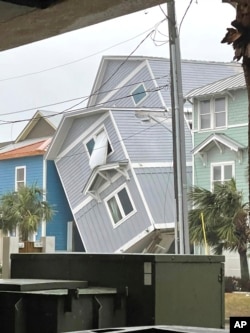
(29, 79)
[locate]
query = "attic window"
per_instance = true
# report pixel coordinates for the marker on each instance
(98, 148)
(139, 94)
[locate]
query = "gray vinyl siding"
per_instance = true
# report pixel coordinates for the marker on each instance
(123, 98)
(158, 188)
(144, 141)
(97, 229)
(73, 170)
(74, 167)
(115, 72)
(147, 141)
(78, 127)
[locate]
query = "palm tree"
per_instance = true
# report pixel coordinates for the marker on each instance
(226, 220)
(25, 209)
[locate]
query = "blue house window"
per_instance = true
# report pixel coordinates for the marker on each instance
(20, 177)
(120, 206)
(139, 94)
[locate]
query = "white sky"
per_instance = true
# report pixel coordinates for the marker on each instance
(79, 53)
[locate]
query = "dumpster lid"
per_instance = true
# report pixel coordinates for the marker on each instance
(39, 284)
(93, 291)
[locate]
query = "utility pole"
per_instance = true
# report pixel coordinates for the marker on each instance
(179, 151)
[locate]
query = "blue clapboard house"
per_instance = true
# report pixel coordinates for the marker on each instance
(22, 162)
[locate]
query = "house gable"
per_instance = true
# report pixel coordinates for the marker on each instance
(41, 129)
(221, 142)
(42, 124)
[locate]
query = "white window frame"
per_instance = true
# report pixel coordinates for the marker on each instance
(213, 113)
(18, 181)
(222, 165)
(115, 194)
(133, 91)
(93, 136)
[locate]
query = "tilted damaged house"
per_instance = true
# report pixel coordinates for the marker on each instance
(115, 160)
(116, 167)
(22, 162)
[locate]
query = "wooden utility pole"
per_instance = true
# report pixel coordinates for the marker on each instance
(179, 151)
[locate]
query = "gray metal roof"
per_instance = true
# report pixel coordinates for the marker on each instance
(115, 69)
(234, 82)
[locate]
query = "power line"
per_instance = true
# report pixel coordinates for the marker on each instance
(183, 17)
(77, 60)
(94, 93)
(77, 98)
(149, 127)
(84, 99)
(4, 122)
(117, 69)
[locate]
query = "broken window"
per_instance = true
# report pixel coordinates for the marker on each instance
(98, 148)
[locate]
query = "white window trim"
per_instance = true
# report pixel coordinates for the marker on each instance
(212, 114)
(115, 193)
(93, 136)
(24, 181)
(232, 163)
(132, 92)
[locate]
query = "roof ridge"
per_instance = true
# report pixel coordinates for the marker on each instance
(138, 57)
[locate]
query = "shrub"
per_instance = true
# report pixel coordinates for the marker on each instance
(233, 283)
